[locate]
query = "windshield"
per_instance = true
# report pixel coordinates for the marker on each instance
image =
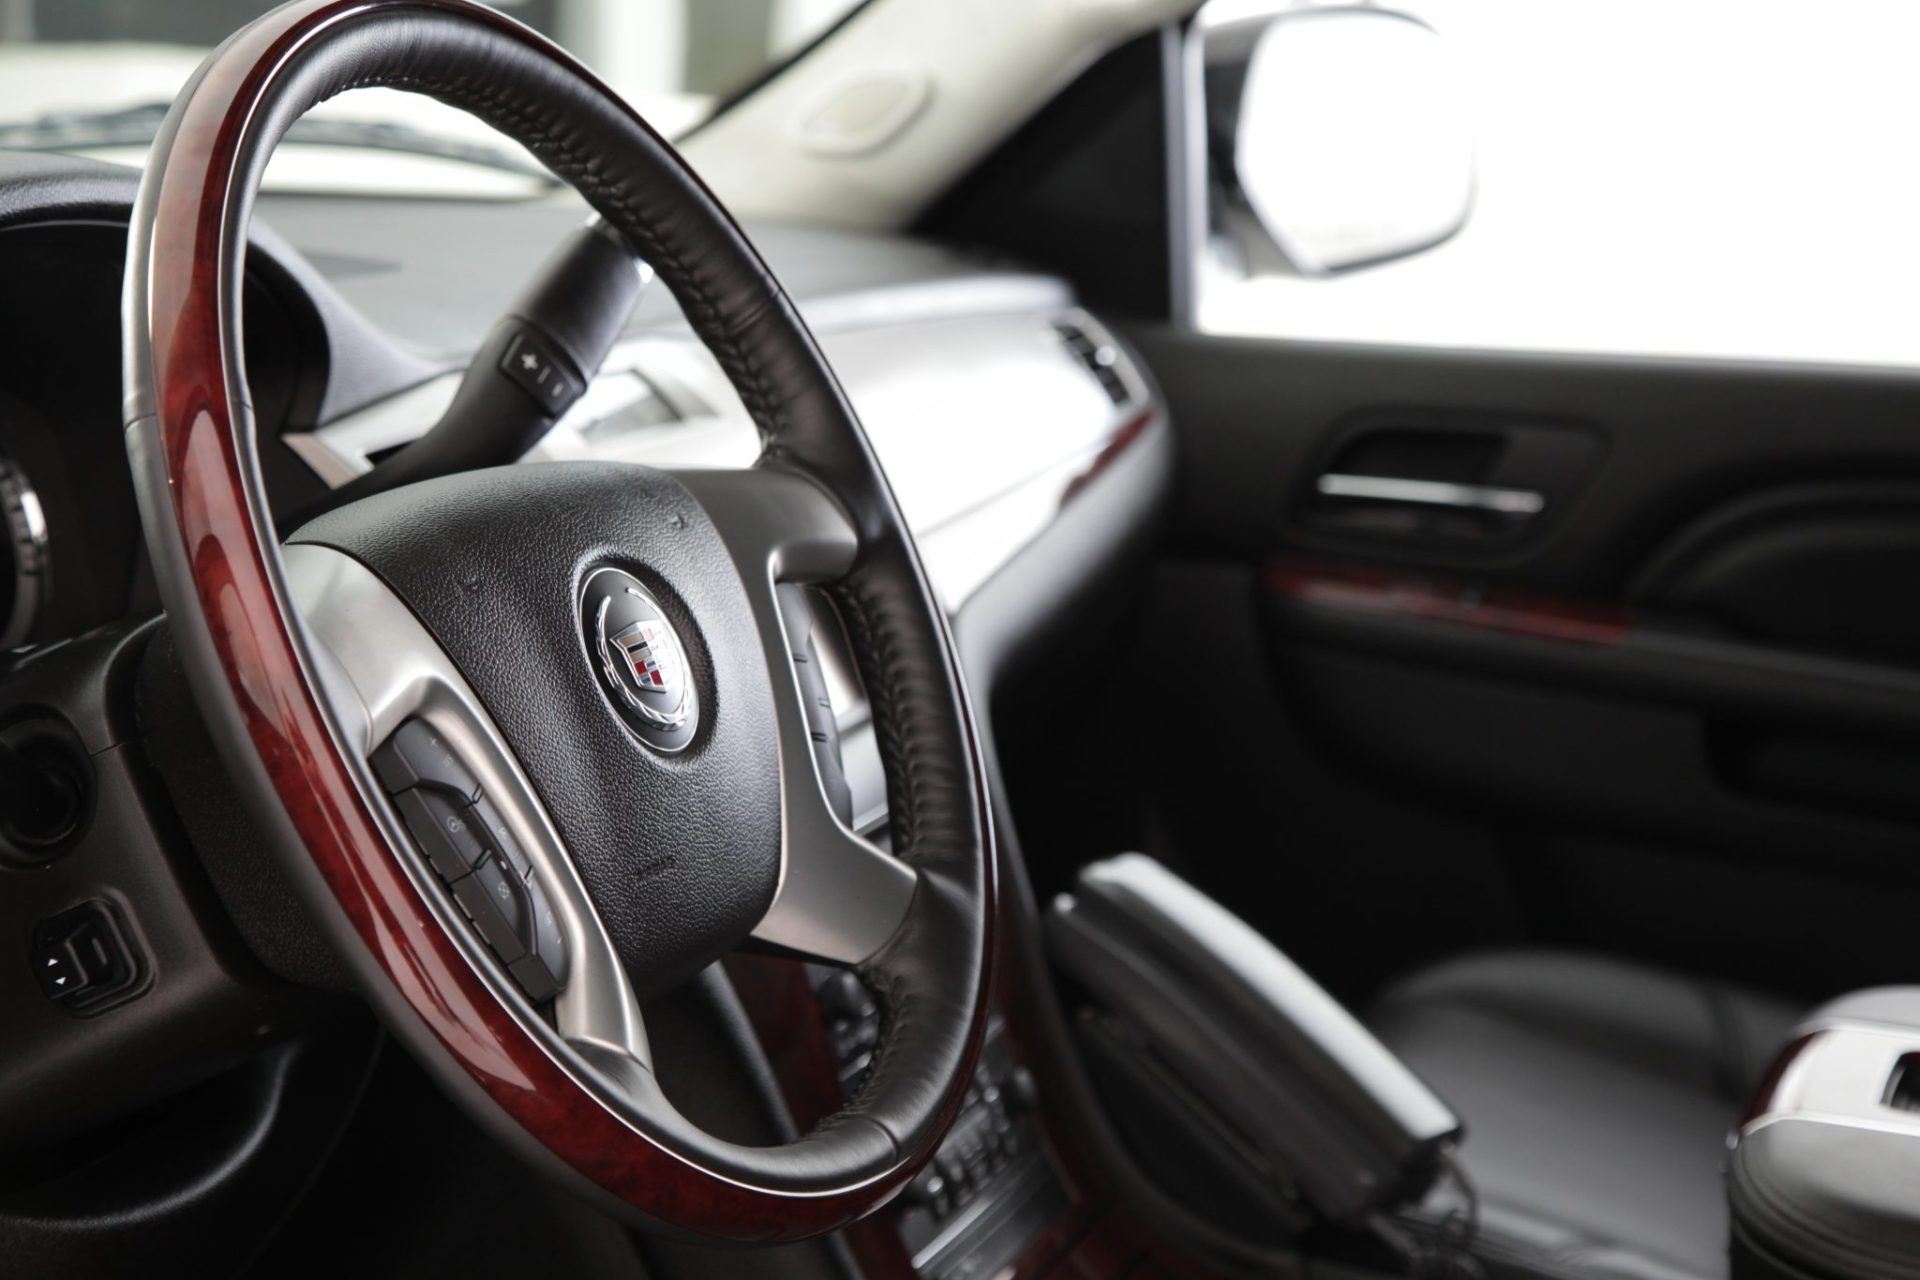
(94, 77)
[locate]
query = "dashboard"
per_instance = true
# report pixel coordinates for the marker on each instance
(72, 534)
(71, 554)
(1024, 443)
(988, 393)
(985, 390)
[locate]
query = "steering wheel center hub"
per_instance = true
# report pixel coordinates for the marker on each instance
(642, 709)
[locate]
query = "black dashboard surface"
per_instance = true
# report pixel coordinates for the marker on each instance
(975, 378)
(60, 415)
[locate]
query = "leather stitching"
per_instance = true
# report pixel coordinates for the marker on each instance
(895, 741)
(537, 134)
(896, 737)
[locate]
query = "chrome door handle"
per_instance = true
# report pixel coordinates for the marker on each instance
(1433, 493)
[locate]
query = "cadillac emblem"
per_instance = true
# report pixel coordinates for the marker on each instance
(641, 663)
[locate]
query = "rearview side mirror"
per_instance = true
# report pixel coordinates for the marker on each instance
(1335, 137)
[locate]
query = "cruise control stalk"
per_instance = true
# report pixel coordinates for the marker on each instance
(533, 365)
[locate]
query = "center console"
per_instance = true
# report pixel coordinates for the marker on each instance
(989, 1191)
(1236, 1089)
(1824, 1177)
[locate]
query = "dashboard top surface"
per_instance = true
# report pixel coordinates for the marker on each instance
(987, 392)
(435, 273)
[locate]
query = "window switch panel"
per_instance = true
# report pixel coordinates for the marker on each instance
(84, 960)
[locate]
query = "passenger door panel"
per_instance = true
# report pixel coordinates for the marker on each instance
(1691, 632)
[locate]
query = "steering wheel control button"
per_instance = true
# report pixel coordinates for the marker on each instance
(534, 978)
(469, 845)
(536, 366)
(639, 660)
(500, 838)
(549, 943)
(509, 894)
(490, 897)
(417, 756)
(446, 831)
(83, 959)
(796, 617)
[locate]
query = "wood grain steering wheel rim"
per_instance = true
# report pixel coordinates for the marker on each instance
(260, 673)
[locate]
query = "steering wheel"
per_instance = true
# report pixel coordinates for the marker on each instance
(531, 742)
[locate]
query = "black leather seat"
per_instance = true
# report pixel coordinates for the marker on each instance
(1597, 1097)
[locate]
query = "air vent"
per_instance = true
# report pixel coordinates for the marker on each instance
(1100, 359)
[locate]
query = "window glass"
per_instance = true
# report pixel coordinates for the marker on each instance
(1698, 178)
(95, 77)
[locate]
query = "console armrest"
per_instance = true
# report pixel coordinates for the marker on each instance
(1822, 1176)
(1325, 1104)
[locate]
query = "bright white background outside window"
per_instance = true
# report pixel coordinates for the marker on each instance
(1657, 177)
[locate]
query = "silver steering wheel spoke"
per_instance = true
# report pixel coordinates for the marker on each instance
(840, 897)
(379, 667)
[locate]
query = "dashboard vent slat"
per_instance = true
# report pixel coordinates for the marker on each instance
(1098, 358)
